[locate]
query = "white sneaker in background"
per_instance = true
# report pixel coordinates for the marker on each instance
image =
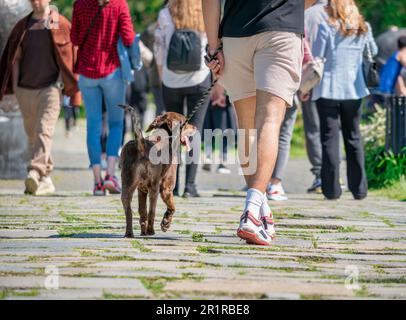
(45, 187)
(276, 193)
(32, 182)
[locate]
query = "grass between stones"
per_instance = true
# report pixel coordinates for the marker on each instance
(138, 245)
(6, 293)
(113, 296)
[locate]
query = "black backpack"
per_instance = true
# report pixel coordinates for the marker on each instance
(185, 51)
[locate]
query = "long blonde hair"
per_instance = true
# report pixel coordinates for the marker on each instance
(187, 14)
(345, 14)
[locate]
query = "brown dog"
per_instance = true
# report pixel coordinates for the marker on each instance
(152, 178)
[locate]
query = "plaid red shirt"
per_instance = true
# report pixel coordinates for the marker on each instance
(98, 56)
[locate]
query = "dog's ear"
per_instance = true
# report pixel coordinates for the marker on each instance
(158, 122)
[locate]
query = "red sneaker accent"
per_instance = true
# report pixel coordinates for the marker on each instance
(111, 184)
(249, 215)
(251, 238)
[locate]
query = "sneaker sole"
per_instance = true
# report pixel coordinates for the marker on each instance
(251, 237)
(31, 185)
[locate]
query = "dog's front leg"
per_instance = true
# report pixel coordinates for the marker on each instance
(153, 199)
(167, 197)
(142, 210)
(126, 198)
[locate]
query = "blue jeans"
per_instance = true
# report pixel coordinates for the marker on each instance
(112, 88)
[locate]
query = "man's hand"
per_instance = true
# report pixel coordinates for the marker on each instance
(218, 98)
(217, 64)
(304, 96)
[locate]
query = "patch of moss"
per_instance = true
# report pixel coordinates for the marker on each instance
(138, 245)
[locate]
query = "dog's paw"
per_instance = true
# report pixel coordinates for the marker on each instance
(150, 232)
(165, 225)
(129, 235)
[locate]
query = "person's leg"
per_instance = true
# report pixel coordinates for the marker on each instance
(92, 98)
(208, 143)
(194, 95)
(350, 114)
(311, 123)
(174, 101)
(285, 139)
(220, 121)
(330, 140)
(159, 99)
(113, 88)
(48, 113)
(28, 103)
(275, 190)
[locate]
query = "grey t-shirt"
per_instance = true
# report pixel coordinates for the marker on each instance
(244, 18)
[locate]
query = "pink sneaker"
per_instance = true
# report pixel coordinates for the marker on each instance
(98, 189)
(111, 184)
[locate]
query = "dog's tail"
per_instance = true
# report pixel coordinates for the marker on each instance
(139, 136)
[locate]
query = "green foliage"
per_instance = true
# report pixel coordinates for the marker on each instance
(143, 12)
(383, 168)
(383, 13)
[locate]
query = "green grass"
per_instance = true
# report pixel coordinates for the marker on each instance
(12, 293)
(203, 249)
(112, 296)
(388, 222)
(396, 191)
(198, 237)
(349, 229)
(138, 245)
(363, 292)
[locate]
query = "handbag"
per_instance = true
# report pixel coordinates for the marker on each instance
(312, 74)
(370, 68)
(101, 6)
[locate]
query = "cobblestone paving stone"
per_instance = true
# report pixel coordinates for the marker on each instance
(321, 247)
(318, 243)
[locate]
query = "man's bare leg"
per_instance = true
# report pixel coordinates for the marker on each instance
(264, 113)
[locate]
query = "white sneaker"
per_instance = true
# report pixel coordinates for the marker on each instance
(46, 187)
(269, 226)
(207, 164)
(252, 230)
(32, 182)
(276, 193)
(222, 169)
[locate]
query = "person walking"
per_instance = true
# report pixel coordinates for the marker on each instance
(179, 84)
(275, 189)
(36, 65)
(314, 16)
(342, 40)
(220, 116)
(258, 56)
(391, 73)
(96, 28)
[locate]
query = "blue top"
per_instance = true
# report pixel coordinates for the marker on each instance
(343, 77)
(389, 74)
(130, 58)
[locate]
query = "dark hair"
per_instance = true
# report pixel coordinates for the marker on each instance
(401, 42)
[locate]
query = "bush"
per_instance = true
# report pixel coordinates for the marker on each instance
(383, 168)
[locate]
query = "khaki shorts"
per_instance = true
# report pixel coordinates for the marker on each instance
(269, 61)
